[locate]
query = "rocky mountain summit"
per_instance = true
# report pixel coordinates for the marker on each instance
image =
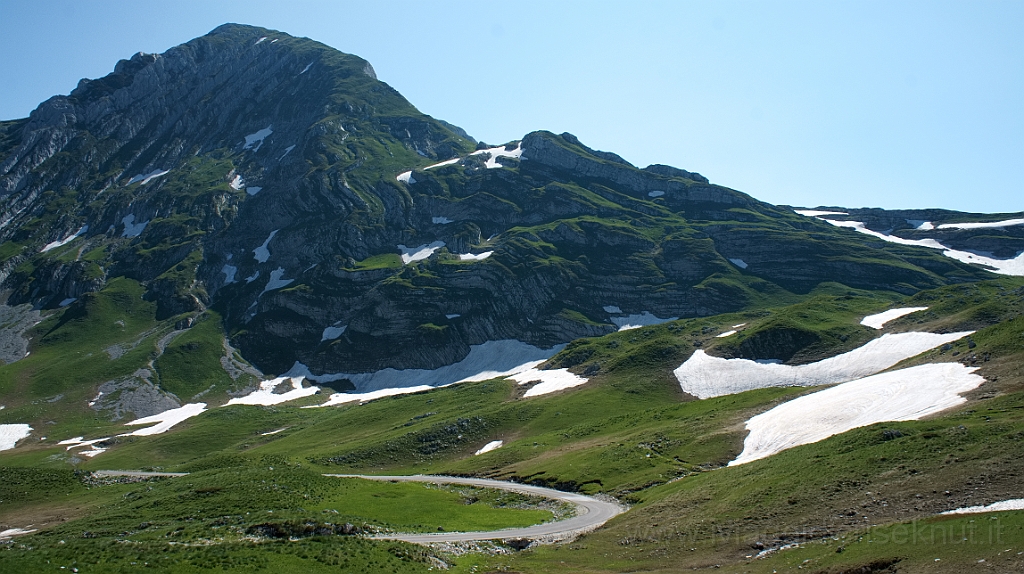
(279, 183)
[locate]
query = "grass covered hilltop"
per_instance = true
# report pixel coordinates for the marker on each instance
(246, 266)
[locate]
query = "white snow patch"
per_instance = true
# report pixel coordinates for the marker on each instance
(500, 151)
(257, 138)
(11, 532)
(93, 452)
(66, 240)
(260, 40)
(878, 320)
(1013, 266)
(237, 182)
(132, 229)
(306, 69)
(1014, 504)
(982, 225)
(441, 220)
(266, 396)
(550, 381)
(406, 177)
(612, 309)
(442, 164)
(229, 273)
(261, 253)
(490, 360)
(165, 420)
(10, 434)
(475, 257)
(287, 151)
(146, 177)
(451, 316)
(333, 332)
(739, 325)
(343, 398)
(656, 194)
(67, 301)
(253, 190)
(739, 263)
(921, 224)
(704, 376)
(903, 395)
(276, 282)
(817, 213)
(274, 431)
(642, 320)
(410, 254)
(725, 334)
(252, 278)
(494, 444)
(80, 441)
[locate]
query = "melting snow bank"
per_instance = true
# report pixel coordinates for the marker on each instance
(66, 240)
(11, 532)
(410, 254)
(704, 376)
(549, 381)
(261, 253)
(406, 177)
(1015, 504)
(986, 225)
(333, 332)
(817, 213)
(490, 446)
(642, 320)
(475, 256)
(496, 152)
(490, 360)
(266, 396)
(146, 177)
(132, 229)
(10, 434)
(878, 320)
(1013, 266)
(166, 419)
(903, 395)
(257, 138)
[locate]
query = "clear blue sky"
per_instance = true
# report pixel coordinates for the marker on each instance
(854, 103)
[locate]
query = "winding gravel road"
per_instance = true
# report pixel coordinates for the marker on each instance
(590, 512)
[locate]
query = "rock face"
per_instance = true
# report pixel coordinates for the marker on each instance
(278, 181)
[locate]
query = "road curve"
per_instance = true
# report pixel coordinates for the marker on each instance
(590, 512)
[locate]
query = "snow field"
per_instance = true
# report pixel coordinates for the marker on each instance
(237, 183)
(636, 321)
(475, 256)
(333, 332)
(984, 225)
(1014, 504)
(261, 253)
(10, 434)
(1013, 266)
(442, 164)
(494, 444)
(500, 151)
(66, 240)
(266, 396)
(704, 376)
(410, 254)
(132, 229)
(147, 177)
(253, 190)
(406, 177)
(878, 320)
(817, 213)
(550, 381)
(165, 420)
(256, 139)
(441, 220)
(276, 281)
(738, 263)
(906, 394)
